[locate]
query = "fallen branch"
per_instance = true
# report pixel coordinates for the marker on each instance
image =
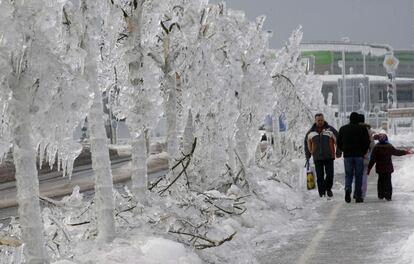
(280, 181)
(156, 183)
(126, 210)
(81, 223)
(187, 157)
(226, 211)
(50, 201)
(211, 243)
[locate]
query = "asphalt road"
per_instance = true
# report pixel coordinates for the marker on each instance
(53, 185)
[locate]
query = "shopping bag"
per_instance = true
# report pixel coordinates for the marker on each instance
(310, 178)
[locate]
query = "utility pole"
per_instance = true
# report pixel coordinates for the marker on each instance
(390, 65)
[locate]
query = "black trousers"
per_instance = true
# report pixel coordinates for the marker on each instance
(324, 174)
(384, 186)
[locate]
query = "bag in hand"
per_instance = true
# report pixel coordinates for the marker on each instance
(310, 178)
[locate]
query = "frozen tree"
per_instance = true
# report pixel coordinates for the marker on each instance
(41, 103)
(99, 148)
(232, 84)
(178, 26)
(139, 100)
(301, 91)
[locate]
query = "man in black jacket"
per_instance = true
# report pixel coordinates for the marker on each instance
(353, 141)
(320, 143)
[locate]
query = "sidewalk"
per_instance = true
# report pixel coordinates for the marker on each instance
(370, 232)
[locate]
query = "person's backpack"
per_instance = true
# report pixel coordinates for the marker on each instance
(310, 178)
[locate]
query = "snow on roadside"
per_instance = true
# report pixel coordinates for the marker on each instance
(403, 176)
(402, 140)
(403, 180)
(136, 249)
(275, 207)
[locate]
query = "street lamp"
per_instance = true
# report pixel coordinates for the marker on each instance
(343, 68)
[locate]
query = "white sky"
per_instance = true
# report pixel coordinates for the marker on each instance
(374, 21)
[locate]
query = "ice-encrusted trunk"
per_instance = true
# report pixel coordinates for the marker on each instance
(241, 142)
(187, 146)
(101, 164)
(171, 117)
(276, 135)
(188, 137)
(212, 148)
(231, 157)
(139, 175)
(171, 101)
(27, 182)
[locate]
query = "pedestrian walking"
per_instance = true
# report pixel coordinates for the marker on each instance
(361, 121)
(353, 141)
(381, 157)
(320, 143)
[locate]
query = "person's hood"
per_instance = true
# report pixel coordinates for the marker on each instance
(365, 125)
(353, 118)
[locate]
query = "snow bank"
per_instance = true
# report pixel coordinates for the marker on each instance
(403, 176)
(138, 249)
(402, 140)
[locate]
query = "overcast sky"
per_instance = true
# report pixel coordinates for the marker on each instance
(373, 21)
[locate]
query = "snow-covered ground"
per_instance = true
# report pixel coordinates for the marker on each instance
(277, 208)
(403, 179)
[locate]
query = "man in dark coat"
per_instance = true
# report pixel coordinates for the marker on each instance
(353, 141)
(320, 142)
(381, 155)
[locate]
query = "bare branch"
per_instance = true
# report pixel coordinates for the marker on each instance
(187, 158)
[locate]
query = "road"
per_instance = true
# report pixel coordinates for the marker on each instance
(53, 185)
(341, 233)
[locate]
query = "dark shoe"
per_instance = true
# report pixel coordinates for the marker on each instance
(347, 196)
(380, 196)
(329, 193)
(388, 198)
(322, 194)
(359, 200)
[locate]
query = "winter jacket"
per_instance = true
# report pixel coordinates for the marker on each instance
(381, 156)
(371, 143)
(321, 145)
(353, 140)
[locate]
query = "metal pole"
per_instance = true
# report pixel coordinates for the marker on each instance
(344, 87)
(364, 65)
(394, 90)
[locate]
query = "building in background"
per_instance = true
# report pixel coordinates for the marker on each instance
(366, 79)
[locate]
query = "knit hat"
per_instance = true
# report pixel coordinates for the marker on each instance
(382, 138)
